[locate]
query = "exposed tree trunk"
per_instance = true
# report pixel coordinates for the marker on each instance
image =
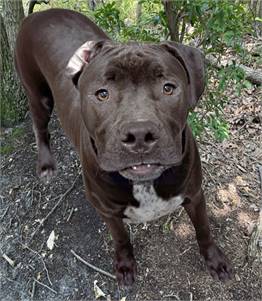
(253, 75)
(5, 56)
(13, 99)
(172, 15)
(138, 11)
(175, 13)
(256, 8)
(7, 78)
(13, 14)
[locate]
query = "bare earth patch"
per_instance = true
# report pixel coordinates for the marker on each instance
(169, 264)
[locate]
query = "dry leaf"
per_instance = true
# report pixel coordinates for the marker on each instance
(38, 276)
(51, 240)
(98, 292)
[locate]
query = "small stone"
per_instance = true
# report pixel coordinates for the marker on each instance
(237, 277)
(254, 207)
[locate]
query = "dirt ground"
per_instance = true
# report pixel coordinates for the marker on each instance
(169, 264)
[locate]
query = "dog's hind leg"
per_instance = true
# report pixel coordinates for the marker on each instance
(41, 106)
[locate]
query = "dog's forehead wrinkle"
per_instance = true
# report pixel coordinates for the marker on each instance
(135, 61)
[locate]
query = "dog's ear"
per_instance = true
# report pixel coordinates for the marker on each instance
(192, 60)
(81, 58)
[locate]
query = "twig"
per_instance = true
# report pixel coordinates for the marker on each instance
(177, 298)
(46, 286)
(230, 158)
(92, 266)
(131, 234)
(260, 174)
(11, 280)
(36, 253)
(210, 176)
(256, 160)
(33, 290)
(180, 212)
(54, 208)
(6, 210)
(172, 296)
(186, 250)
(191, 296)
(255, 244)
(70, 214)
(9, 260)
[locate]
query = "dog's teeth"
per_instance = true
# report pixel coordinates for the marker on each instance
(134, 167)
(148, 165)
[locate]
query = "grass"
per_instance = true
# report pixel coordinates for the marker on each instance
(9, 141)
(6, 149)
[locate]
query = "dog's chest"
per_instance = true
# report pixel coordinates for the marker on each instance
(151, 206)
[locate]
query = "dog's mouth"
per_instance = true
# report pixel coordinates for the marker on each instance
(142, 172)
(139, 171)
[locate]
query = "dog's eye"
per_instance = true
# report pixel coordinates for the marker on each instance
(168, 89)
(102, 94)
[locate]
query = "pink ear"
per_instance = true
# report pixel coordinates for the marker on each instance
(80, 58)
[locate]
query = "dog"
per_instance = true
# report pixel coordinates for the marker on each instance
(125, 108)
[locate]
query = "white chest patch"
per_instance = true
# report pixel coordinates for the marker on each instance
(151, 205)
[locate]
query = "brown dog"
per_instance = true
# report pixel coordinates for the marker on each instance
(124, 106)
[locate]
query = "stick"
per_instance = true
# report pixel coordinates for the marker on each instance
(182, 253)
(255, 244)
(172, 296)
(54, 208)
(33, 290)
(260, 174)
(3, 215)
(9, 260)
(92, 266)
(36, 253)
(46, 286)
(70, 214)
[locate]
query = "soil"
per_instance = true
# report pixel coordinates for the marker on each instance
(169, 264)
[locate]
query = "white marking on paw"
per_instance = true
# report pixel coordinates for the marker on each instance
(151, 206)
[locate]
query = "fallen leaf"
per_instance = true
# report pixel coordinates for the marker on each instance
(51, 240)
(240, 181)
(98, 292)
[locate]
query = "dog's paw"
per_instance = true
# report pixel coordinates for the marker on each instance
(46, 173)
(217, 263)
(125, 269)
(46, 167)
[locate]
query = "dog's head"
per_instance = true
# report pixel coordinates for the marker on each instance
(135, 100)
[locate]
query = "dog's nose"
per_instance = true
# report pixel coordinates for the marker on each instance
(140, 136)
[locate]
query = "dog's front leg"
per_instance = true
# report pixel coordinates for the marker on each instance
(124, 262)
(216, 261)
